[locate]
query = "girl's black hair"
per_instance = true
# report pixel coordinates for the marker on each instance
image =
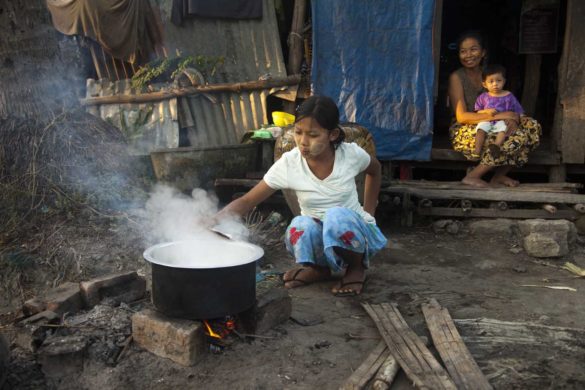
(324, 110)
(473, 35)
(493, 69)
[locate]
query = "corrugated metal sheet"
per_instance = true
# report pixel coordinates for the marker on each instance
(147, 126)
(224, 121)
(251, 49)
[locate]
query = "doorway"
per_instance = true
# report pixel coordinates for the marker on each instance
(532, 74)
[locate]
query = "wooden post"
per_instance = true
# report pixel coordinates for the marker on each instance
(296, 45)
(531, 83)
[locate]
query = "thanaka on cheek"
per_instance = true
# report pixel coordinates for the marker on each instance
(317, 148)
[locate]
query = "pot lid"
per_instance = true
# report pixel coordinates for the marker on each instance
(203, 253)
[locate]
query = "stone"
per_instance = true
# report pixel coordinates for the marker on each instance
(182, 341)
(544, 238)
(441, 224)
(454, 227)
(492, 227)
(31, 332)
(580, 224)
(273, 307)
(540, 245)
(62, 356)
(117, 288)
(557, 227)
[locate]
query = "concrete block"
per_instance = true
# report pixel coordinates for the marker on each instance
(273, 307)
(62, 356)
(117, 288)
(182, 341)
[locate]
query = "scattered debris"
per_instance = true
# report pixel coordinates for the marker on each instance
(551, 287)
(580, 272)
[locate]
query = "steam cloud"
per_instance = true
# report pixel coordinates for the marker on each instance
(174, 216)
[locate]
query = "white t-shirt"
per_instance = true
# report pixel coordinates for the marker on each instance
(315, 195)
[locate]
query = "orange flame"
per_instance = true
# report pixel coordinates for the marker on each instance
(210, 331)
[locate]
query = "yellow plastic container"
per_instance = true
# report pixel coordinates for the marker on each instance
(282, 119)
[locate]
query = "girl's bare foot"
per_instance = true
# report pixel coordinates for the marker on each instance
(352, 282)
(504, 180)
(474, 182)
(305, 275)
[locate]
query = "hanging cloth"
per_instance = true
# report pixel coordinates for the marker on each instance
(127, 29)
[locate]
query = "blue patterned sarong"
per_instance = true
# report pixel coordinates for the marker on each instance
(311, 241)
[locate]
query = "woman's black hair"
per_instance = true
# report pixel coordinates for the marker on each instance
(324, 110)
(472, 34)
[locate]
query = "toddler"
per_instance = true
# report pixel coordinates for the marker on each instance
(495, 100)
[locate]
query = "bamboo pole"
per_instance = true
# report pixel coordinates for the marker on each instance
(170, 94)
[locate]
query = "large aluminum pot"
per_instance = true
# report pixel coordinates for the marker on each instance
(203, 278)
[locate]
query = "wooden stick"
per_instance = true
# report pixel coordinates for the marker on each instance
(362, 375)
(171, 94)
(387, 372)
(408, 349)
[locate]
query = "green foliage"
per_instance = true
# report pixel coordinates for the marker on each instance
(164, 70)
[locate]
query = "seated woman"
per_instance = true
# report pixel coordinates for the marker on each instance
(465, 85)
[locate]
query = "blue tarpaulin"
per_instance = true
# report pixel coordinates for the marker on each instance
(375, 59)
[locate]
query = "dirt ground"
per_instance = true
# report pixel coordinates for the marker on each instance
(473, 277)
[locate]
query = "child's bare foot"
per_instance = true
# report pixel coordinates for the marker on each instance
(305, 275)
(504, 180)
(474, 182)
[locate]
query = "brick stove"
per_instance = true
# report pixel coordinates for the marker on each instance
(187, 341)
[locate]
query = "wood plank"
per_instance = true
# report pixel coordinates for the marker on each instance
(495, 213)
(362, 375)
(537, 157)
(504, 195)
(457, 185)
(408, 349)
(489, 336)
(188, 91)
(460, 364)
(248, 183)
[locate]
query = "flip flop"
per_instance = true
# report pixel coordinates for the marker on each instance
(350, 293)
(296, 277)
